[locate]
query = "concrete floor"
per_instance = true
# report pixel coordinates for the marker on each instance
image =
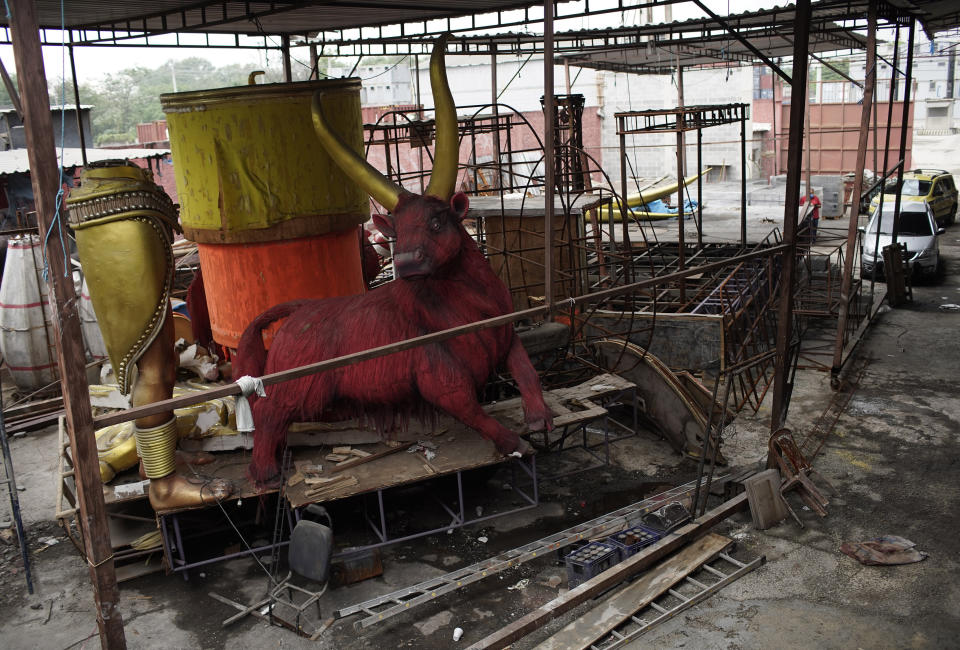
(893, 457)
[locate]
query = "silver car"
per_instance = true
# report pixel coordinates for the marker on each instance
(918, 231)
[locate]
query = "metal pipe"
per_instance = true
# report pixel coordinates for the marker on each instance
(549, 152)
(433, 337)
(314, 62)
(76, 101)
(681, 175)
(851, 249)
(496, 116)
(699, 188)
(285, 50)
(781, 386)
(743, 176)
(14, 499)
(886, 153)
(904, 120)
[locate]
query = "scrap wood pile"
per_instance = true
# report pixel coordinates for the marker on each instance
(655, 539)
(664, 563)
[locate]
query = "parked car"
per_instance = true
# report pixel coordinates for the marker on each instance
(933, 186)
(918, 231)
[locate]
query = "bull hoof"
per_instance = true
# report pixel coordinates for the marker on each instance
(523, 450)
(542, 421)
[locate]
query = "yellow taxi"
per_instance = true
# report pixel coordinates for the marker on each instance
(934, 186)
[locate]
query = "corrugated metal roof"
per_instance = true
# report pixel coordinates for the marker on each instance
(15, 161)
(70, 107)
(254, 17)
(303, 16)
(703, 42)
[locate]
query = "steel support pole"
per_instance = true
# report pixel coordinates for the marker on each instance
(76, 101)
(494, 101)
(743, 177)
(681, 172)
(781, 386)
(851, 248)
(314, 63)
(285, 50)
(44, 176)
(886, 151)
(699, 188)
(549, 154)
(624, 208)
(776, 135)
(907, 83)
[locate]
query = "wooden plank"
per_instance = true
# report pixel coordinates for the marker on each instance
(372, 457)
(611, 577)
(598, 622)
(45, 180)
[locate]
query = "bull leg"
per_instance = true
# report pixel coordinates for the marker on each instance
(536, 412)
(458, 398)
(272, 422)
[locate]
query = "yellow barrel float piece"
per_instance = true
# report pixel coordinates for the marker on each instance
(274, 217)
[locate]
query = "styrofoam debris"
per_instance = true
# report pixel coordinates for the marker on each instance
(457, 633)
(950, 307)
(483, 539)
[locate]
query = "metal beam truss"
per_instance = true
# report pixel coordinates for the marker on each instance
(668, 119)
(590, 253)
(699, 38)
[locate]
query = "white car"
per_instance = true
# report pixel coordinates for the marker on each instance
(918, 230)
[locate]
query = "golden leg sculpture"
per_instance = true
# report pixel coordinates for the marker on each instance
(157, 434)
(122, 222)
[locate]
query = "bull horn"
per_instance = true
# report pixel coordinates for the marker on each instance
(383, 190)
(446, 155)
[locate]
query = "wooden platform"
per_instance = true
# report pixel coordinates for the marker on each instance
(457, 449)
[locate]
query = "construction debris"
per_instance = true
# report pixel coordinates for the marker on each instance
(611, 577)
(886, 550)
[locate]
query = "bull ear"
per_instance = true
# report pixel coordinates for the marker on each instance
(385, 225)
(459, 204)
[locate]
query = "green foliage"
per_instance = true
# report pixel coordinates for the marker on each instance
(123, 99)
(840, 64)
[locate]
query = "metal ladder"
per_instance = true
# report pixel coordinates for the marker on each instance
(383, 607)
(709, 580)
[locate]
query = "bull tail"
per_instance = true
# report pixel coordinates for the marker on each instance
(251, 355)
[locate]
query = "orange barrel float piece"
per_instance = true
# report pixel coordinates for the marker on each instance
(273, 216)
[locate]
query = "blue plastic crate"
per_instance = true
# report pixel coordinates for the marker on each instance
(628, 542)
(588, 561)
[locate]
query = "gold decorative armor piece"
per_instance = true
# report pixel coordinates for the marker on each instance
(123, 223)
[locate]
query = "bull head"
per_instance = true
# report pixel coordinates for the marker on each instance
(422, 225)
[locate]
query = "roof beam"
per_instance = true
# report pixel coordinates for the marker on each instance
(747, 44)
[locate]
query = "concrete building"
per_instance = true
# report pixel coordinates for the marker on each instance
(937, 85)
(384, 83)
(11, 127)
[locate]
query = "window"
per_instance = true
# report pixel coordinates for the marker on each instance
(933, 85)
(911, 223)
(911, 187)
